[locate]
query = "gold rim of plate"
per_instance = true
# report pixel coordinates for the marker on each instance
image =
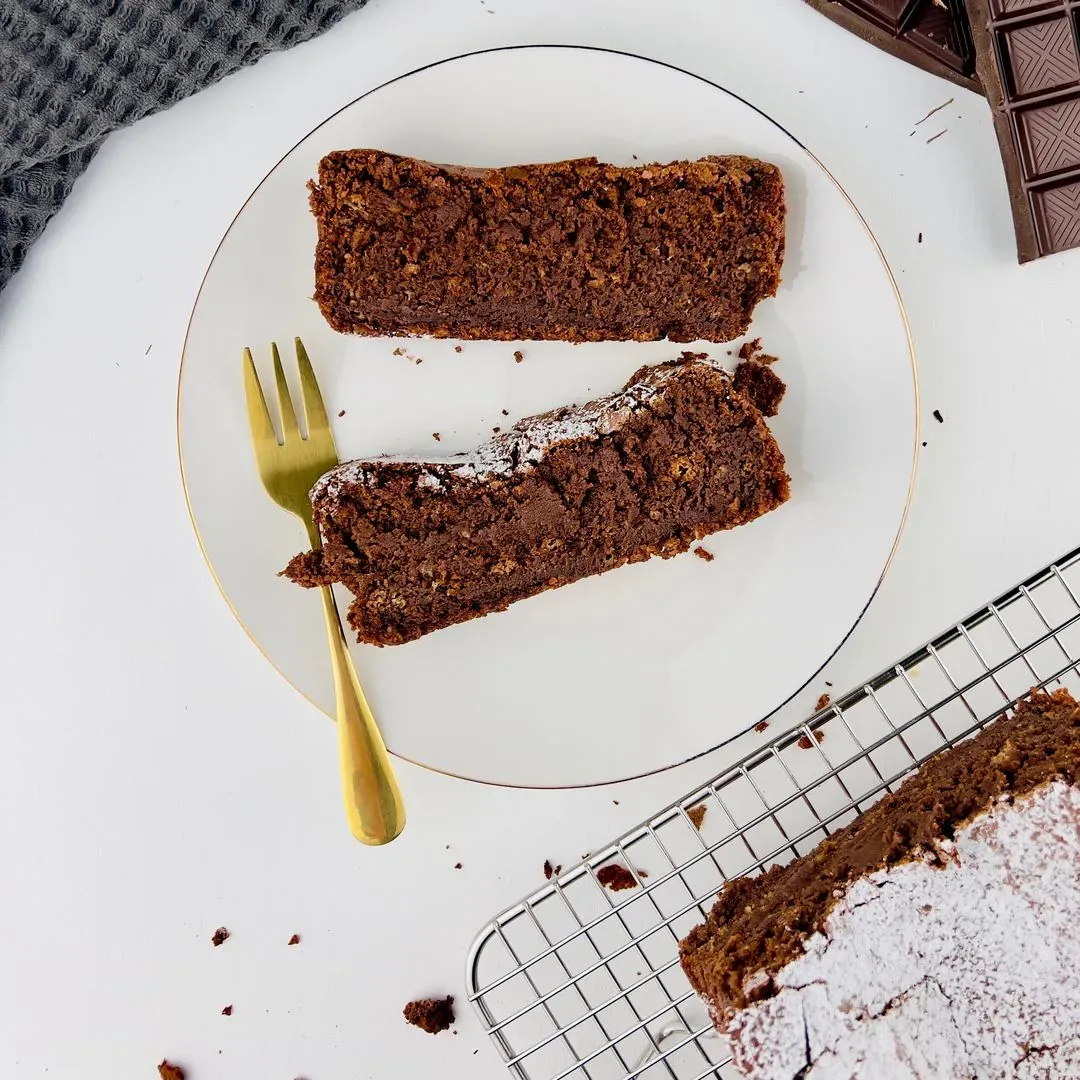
(911, 356)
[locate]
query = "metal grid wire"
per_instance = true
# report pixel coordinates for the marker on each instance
(579, 983)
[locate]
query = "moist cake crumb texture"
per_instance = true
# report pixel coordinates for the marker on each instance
(430, 1014)
(570, 250)
(937, 936)
(426, 543)
(758, 382)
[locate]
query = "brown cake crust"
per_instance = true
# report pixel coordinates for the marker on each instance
(570, 250)
(676, 455)
(758, 925)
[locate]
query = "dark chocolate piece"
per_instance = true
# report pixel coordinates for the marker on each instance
(1029, 63)
(931, 34)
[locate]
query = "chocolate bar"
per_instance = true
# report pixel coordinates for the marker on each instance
(1028, 61)
(931, 34)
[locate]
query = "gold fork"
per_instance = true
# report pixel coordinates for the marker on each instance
(288, 468)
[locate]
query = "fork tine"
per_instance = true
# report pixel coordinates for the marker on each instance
(258, 415)
(289, 427)
(314, 409)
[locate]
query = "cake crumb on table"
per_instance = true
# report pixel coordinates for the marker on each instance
(804, 742)
(761, 725)
(457, 866)
(221, 935)
(696, 814)
(294, 940)
(341, 412)
(518, 356)
(168, 1071)
(704, 553)
(938, 417)
(436, 436)
(430, 1014)
(551, 871)
(457, 348)
(227, 1011)
(823, 702)
(616, 877)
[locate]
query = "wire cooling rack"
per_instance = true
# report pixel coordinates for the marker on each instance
(579, 983)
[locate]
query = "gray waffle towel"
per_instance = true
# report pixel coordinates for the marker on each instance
(71, 71)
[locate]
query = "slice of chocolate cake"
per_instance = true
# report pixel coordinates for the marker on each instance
(572, 250)
(423, 544)
(937, 936)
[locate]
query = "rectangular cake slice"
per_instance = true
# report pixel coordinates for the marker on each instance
(937, 936)
(572, 250)
(675, 455)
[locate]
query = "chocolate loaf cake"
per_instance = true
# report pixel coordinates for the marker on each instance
(571, 251)
(938, 935)
(675, 455)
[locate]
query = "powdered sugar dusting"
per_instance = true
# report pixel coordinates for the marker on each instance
(523, 446)
(921, 973)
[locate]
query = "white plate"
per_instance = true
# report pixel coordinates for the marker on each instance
(652, 664)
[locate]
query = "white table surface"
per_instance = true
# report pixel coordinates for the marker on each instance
(158, 779)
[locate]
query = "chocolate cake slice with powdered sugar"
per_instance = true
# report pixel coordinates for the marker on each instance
(937, 937)
(677, 454)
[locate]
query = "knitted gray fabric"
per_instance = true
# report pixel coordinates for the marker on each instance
(71, 71)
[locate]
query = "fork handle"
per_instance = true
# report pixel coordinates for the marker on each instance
(373, 802)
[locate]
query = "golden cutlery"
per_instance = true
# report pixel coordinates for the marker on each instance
(288, 467)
